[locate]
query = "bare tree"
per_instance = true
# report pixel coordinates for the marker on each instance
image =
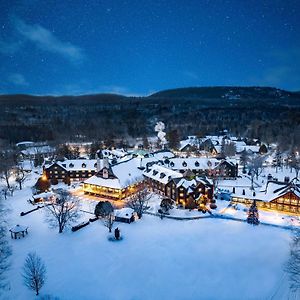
(21, 175)
(5, 249)
(255, 168)
(6, 166)
(293, 265)
(108, 221)
(63, 212)
(139, 202)
(244, 158)
(294, 162)
(34, 272)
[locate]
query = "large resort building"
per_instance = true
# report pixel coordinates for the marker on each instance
(118, 175)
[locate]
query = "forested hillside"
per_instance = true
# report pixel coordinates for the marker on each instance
(268, 113)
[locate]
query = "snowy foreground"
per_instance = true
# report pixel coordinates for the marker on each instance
(157, 259)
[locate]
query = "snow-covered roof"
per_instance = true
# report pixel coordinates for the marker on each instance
(37, 150)
(125, 213)
(271, 191)
(24, 143)
(105, 182)
(240, 148)
(78, 164)
(161, 174)
(163, 154)
(44, 195)
(126, 172)
(114, 153)
(193, 163)
(18, 228)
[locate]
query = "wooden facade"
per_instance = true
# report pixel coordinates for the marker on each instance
(61, 171)
(181, 193)
(285, 199)
(111, 193)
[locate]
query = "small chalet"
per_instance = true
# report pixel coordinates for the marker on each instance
(125, 215)
(278, 196)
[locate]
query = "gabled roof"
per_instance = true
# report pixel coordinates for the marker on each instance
(121, 175)
(161, 174)
(76, 164)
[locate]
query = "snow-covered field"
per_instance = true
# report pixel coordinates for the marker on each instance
(157, 259)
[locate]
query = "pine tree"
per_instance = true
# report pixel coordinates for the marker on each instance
(253, 214)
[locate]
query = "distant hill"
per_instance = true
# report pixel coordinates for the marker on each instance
(206, 96)
(225, 92)
(18, 99)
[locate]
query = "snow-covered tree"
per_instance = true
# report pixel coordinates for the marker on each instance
(255, 168)
(7, 161)
(293, 265)
(21, 175)
(63, 212)
(294, 163)
(253, 217)
(34, 272)
(244, 159)
(139, 202)
(108, 221)
(5, 250)
(166, 204)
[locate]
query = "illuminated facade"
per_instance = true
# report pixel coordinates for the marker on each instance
(278, 196)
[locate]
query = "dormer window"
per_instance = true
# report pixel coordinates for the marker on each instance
(83, 165)
(71, 165)
(95, 165)
(172, 164)
(162, 175)
(105, 173)
(197, 164)
(154, 172)
(184, 164)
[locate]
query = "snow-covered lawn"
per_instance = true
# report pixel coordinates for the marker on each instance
(157, 259)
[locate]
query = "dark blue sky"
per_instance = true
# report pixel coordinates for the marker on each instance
(141, 46)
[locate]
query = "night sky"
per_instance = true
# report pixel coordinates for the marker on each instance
(141, 46)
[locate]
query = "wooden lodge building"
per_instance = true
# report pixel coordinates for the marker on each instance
(277, 196)
(75, 169)
(183, 188)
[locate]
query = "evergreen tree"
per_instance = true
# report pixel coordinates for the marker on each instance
(253, 214)
(173, 139)
(145, 143)
(263, 149)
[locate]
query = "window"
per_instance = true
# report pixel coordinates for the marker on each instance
(71, 165)
(83, 165)
(197, 164)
